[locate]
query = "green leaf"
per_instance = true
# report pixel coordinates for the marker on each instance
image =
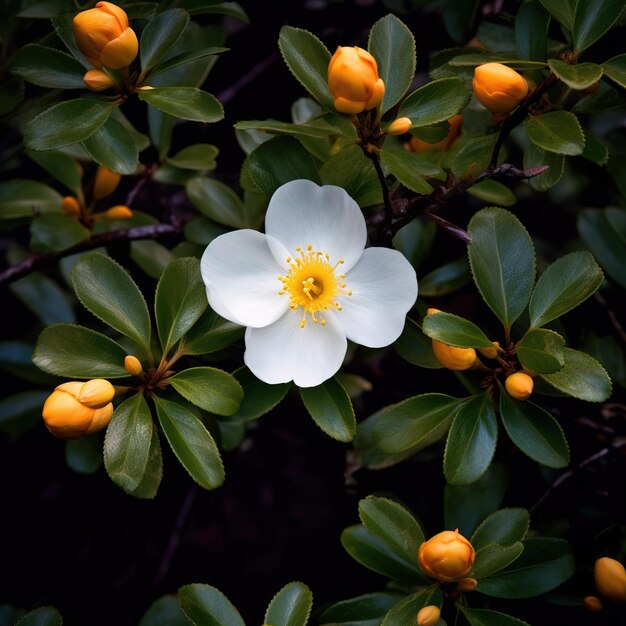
(595, 150)
(604, 233)
(394, 525)
(187, 57)
(473, 59)
(180, 300)
(211, 333)
(258, 397)
(165, 611)
(485, 617)
(84, 455)
(27, 198)
(105, 288)
(405, 611)
(191, 442)
(544, 565)
(148, 487)
(330, 407)
(56, 232)
(493, 192)
(207, 606)
(307, 58)
(209, 388)
(435, 102)
(534, 431)
(62, 167)
(113, 147)
(392, 44)
(77, 352)
(44, 298)
(66, 123)
(402, 426)
(581, 377)
(371, 607)
(459, 18)
(615, 69)
(63, 26)
(471, 441)
(219, 202)
(494, 557)
(541, 350)
(20, 411)
(455, 331)
(371, 552)
(48, 67)
(415, 347)
(531, 31)
(198, 157)
(187, 103)
(291, 606)
(473, 157)
(562, 10)
(160, 35)
(317, 128)
(199, 7)
(592, 20)
(564, 285)
(502, 259)
(446, 279)
(505, 527)
(127, 443)
(558, 131)
(534, 157)
(578, 76)
(43, 616)
(405, 167)
(279, 161)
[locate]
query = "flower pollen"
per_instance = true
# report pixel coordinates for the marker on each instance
(313, 283)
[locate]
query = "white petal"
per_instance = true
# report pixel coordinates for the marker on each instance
(302, 213)
(241, 277)
(384, 288)
(283, 351)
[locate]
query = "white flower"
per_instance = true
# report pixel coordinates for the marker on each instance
(308, 285)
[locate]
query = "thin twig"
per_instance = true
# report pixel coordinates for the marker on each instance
(375, 159)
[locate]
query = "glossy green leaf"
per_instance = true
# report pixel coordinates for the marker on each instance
(186, 57)
(200, 7)
(558, 131)
(415, 347)
(113, 147)
(330, 407)
(486, 617)
(459, 18)
(211, 333)
(392, 44)
(493, 192)
(405, 167)
(149, 485)
(371, 607)
(44, 298)
(415, 240)
(531, 31)
(207, 606)
(77, 352)
(27, 198)
(291, 606)
(579, 76)
(494, 557)
(84, 455)
(615, 69)
(62, 167)
(473, 59)
(595, 150)
(48, 67)
(56, 232)
(64, 29)
(435, 102)
(198, 157)
(592, 20)
(402, 426)
(545, 564)
(541, 350)
(211, 389)
(504, 527)
(105, 288)
(318, 130)
(66, 123)
(258, 397)
(127, 443)
(503, 262)
(165, 611)
(446, 279)
(160, 35)
(191, 442)
(562, 10)
(471, 441)
(307, 58)
(151, 256)
(180, 300)
(581, 377)
(219, 202)
(535, 157)
(20, 411)
(405, 611)
(604, 233)
(455, 331)
(564, 285)
(393, 524)
(187, 103)
(43, 616)
(474, 156)
(534, 431)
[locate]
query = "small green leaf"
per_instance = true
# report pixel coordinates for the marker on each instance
(562, 10)
(219, 202)
(27, 198)
(558, 131)
(20, 411)
(503, 262)
(485, 617)
(113, 147)
(84, 455)
(564, 285)
(505, 527)
(160, 35)
(446, 278)
(534, 431)
(106, 289)
(541, 350)
(435, 102)
(77, 352)
(595, 150)
(581, 377)
(198, 157)
(535, 157)
(494, 557)
(615, 69)
(415, 347)
(493, 192)
(211, 389)
(258, 397)
(200, 7)
(44, 298)
(210, 334)
(392, 44)
(455, 331)
(371, 606)
(592, 20)
(474, 156)
(291, 606)
(459, 19)
(61, 166)
(43, 616)
(165, 611)
(578, 76)
(191, 442)
(55, 232)
(48, 67)
(531, 31)
(330, 407)
(405, 167)
(149, 485)
(187, 103)
(405, 611)
(317, 128)
(208, 606)
(186, 57)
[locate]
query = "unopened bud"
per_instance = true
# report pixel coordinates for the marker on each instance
(610, 577)
(118, 212)
(467, 584)
(453, 358)
(428, 615)
(419, 145)
(96, 393)
(593, 604)
(133, 365)
(446, 557)
(498, 87)
(106, 182)
(490, 353)
(98, 80)
(519, 385)
(70, 206)
(399, 126)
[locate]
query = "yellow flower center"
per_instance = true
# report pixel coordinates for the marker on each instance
(313, 283)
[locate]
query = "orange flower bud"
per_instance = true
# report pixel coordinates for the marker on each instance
(419, 145)
(70, 206)
(353, 80)
(399, 126)
(67, 417)
(98, 80)
(453, 358)
(446, 557)
(498, 87)
(104, 37)
(519, 385)
(610, 577)
(428, 615)
(118, 212)
(593, 604)
(106, 182)
(490, 353)
(467, 584)
(133, 365)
